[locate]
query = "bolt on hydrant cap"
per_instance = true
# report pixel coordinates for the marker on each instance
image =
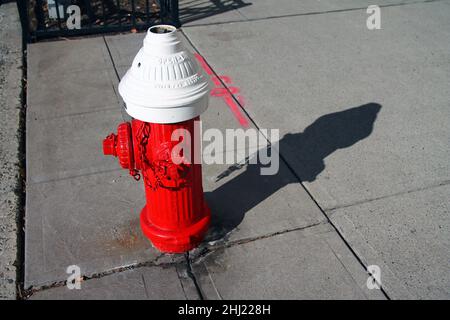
(164, 83)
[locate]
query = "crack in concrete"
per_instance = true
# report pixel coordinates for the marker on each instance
(74, 176)
(187, 262)
(94, 109)
(21, 183)
(153, 263)
(203, 252)
(432, 186)
(111, 58)
(192, 276)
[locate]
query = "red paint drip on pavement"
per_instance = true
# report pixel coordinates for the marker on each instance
(225, 93)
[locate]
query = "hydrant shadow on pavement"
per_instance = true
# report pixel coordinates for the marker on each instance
(230, 202)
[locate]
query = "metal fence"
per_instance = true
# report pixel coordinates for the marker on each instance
(62, 18)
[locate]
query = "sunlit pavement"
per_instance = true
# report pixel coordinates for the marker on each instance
(363, 178)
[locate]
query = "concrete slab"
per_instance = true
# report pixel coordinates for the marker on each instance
(146, 283)
(10, 169)
(246, 204)
(308, 264)
(408, 236)
(353, 107)
(65, 127)
(124, 48)
(58, 95)
(335, 64)
(91, 221)
(69, 146)
(59, 73)
(210, 12)
(264, 9)
(63, 57)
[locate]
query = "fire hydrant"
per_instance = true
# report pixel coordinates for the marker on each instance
(164, 91)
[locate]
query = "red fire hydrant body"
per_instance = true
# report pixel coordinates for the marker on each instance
(175, 217)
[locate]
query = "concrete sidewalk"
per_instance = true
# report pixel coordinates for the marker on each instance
(363, 117)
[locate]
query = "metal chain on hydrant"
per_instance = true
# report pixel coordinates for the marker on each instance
(135, 174)
(144, 132)
(162, 165)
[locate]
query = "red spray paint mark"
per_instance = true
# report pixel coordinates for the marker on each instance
(203, 64)
(221, 92)
(225, 79)
(236, 110)
(225, 93)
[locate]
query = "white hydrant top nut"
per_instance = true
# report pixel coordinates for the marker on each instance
(164, 84)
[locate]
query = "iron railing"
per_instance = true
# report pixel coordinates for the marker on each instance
(55, 18)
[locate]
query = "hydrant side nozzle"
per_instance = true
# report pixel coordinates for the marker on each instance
(120, 145)
(124, 146)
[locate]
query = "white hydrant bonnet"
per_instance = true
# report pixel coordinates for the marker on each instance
(164, 84)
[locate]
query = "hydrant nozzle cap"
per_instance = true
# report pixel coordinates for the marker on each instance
(164, 83)
(109, 145)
